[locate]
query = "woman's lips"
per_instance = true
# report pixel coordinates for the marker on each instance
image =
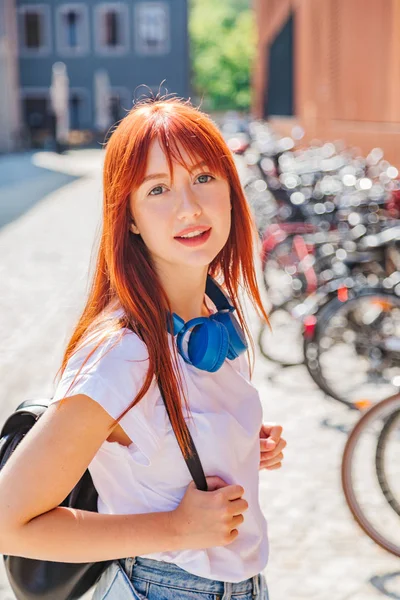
(198, 240)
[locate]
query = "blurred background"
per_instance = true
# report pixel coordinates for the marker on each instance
(307, 96)
(329, 65)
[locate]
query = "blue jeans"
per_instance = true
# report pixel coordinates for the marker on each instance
(146, 579)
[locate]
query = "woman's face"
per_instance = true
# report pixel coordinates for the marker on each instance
(162, 210)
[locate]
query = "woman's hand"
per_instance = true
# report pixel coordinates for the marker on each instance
(207, 519)
(271, 446)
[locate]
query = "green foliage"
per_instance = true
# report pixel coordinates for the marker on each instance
(223, 40)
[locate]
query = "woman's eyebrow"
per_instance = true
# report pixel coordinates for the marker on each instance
(161, 175)
(154, 176)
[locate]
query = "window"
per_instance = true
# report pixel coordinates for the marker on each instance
(72, 30)
(111, 27)
(152, 28)
(34, 30)
(71, 19)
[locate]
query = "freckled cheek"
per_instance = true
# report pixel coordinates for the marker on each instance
(155, 227)
(221, 216)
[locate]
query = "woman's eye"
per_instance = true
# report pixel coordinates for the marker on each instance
(208, 177)
(156, 191)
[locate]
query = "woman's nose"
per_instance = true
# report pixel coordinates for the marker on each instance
(188, 204)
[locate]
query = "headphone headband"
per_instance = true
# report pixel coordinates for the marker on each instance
(211, 339)
(215, 292)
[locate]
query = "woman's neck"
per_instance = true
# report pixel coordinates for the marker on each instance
(185, 289)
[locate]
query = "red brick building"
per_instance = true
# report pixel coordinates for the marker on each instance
(332, 66)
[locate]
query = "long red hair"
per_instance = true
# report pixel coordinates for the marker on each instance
(124, 274)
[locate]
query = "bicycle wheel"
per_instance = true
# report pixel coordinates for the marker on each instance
(362, 488)
(387, 440)
(282, 343)
(354, 352)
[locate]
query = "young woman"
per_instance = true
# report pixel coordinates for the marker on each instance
(175, 223)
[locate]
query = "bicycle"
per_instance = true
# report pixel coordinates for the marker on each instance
(376, 438)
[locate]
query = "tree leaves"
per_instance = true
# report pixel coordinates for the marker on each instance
(223, 41)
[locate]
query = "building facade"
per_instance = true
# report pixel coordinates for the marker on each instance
(332, 66)
(10, 116)
(136, 42)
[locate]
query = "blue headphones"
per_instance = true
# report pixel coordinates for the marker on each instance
(213, 338)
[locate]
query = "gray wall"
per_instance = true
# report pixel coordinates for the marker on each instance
(127, 69)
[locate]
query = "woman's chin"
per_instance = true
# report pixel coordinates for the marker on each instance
(195, 259)
(189, 257)
(198, 262)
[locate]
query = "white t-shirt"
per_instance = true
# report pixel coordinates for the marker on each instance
(151, 475)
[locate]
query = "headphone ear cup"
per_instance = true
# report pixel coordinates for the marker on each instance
(224, 347)
(198, 342)
(237, 341)
(208, 346)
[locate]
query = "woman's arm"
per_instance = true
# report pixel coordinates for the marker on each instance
(42, 471)
(68, 535)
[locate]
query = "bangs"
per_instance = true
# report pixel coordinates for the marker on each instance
(200, 140)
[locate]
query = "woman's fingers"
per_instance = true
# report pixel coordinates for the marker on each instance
(271, 461)
(238, 507)
(271, 458)
(236, 521)
(264, 446)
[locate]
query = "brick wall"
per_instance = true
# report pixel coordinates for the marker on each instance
(346, 69)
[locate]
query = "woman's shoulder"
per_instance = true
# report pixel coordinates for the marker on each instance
(110, 368)
(123, 344)
(108, 346)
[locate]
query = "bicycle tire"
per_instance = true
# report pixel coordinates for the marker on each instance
(311, 353)
(312, 349)
(381, 446)
(346, 473)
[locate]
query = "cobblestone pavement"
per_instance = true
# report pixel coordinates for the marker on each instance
(317, 552)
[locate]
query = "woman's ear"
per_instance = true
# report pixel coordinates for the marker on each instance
(133, 228)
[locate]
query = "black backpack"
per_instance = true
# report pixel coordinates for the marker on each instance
(33, 579)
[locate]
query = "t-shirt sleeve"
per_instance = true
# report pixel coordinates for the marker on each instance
(112, 375)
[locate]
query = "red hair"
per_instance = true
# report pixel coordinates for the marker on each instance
(124, 274)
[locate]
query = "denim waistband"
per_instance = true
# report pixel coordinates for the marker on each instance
(169, 574)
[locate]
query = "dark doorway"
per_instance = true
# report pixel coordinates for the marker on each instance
(75, 103)
(279, 91)
(116, 108)
(35, 111)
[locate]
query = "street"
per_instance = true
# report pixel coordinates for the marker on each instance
(317, 551)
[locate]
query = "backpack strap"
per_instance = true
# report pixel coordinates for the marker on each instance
(193, 462)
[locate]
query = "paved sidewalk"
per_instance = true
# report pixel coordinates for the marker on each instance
(24, 182)
(317, 552)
